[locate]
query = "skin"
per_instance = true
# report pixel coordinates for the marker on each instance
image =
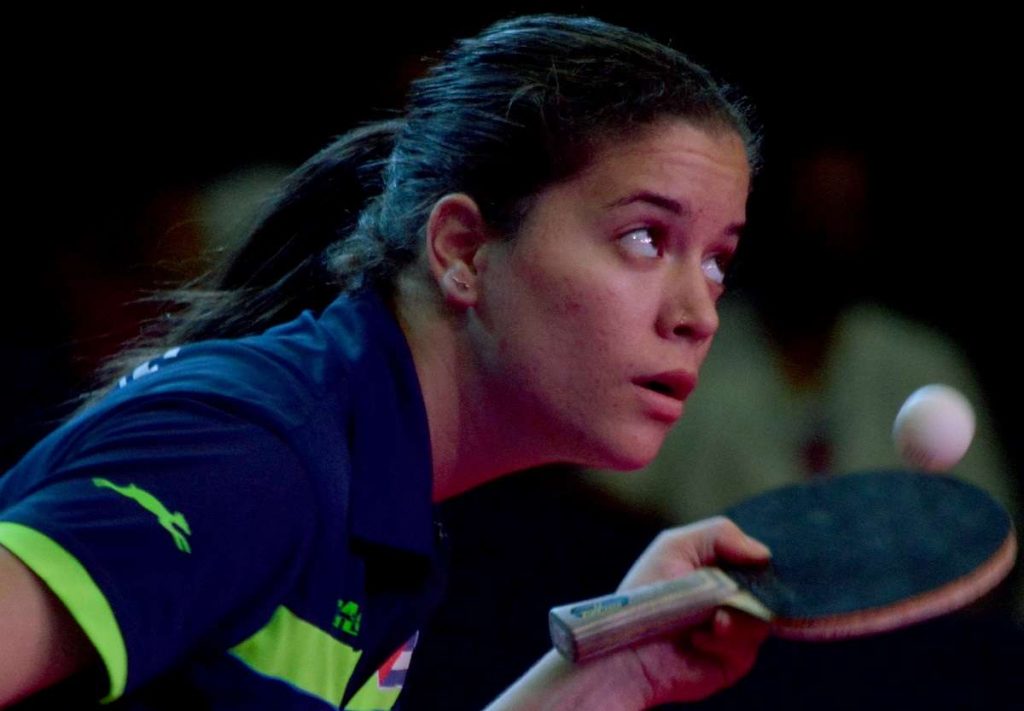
(535, 350)
(40, 642)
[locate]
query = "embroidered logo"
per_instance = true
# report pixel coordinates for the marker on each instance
(150, 366)
(174, 523)
(348, 618)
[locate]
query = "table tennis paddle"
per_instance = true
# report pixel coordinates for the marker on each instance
(853, 555)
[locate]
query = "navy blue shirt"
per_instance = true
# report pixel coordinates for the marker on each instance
(247, 523)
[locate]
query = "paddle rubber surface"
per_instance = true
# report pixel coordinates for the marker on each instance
(862, 553)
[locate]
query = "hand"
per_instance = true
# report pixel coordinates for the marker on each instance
(698, 662)
(712, 655)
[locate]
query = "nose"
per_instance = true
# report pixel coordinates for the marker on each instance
(691, 312)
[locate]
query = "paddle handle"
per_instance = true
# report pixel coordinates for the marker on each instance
(586, 629)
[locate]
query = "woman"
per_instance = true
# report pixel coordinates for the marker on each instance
(528, 265)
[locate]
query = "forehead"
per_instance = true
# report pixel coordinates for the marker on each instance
(668, 156)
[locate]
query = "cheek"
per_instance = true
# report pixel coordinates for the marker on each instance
(608, 308)
(574, 309)
(544, 334)
(594, 330)
(565, 319)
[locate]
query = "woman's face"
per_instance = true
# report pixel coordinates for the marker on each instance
(592, 324)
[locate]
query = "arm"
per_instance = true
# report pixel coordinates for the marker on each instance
(138, 533)
(703, 660)
(39, 641)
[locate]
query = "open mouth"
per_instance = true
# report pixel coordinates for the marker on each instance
(674, 384)
(659, 387)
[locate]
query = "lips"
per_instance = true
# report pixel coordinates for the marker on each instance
(676, 384)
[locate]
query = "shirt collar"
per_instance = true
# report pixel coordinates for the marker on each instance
(391, 485)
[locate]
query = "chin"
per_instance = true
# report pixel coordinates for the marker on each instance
(636, 453)
(626, 464)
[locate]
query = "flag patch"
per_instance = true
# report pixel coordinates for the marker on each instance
(391, 674)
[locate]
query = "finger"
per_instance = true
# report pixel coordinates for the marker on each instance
(704, 660)
(678, 671)
(732, 641)
(678, 551)
(714, 539)
(729, 630)
(734, 546)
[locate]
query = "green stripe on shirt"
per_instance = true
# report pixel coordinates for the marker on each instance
(303, 655)
(373, 698)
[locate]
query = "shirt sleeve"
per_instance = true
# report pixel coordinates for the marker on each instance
(166, 529)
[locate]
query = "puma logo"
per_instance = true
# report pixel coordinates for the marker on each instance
(172, 522)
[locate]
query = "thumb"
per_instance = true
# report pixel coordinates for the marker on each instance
(732, 545)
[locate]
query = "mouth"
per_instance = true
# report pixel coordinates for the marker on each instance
(676, 384)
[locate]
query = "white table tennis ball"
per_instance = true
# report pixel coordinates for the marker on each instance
(934, 428)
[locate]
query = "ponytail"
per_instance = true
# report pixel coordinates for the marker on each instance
(309, 245)
(304, 251)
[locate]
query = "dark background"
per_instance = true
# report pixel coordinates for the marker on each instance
(110, 130)
(107, 126)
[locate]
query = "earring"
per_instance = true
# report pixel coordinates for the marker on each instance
(450, 275)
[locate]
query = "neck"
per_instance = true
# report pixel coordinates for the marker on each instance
(470, 444)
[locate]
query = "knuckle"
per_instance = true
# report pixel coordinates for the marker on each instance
(725, 525)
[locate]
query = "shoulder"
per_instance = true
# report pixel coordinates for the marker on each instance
(279, 375)
(287, 371)
(297, 387)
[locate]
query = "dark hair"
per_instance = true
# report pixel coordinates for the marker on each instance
(501, 116)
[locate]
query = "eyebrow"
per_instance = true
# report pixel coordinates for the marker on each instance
(677, 208)
(665, 203)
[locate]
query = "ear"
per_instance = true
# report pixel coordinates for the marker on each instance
(455, 232)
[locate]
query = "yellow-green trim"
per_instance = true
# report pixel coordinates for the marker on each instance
(373, 698)
(74, 587)
(301, 654)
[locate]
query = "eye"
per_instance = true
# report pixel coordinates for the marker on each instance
(715, 267)
(642, 242)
